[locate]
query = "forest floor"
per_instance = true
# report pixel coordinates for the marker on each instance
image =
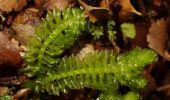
(151, 19)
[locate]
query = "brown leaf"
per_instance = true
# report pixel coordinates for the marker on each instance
(19, 4)
(154, 74)
(127, 8)
(29, 16)
(106, 3)
(60, 4)
(86, 50)
(12, 80)
(158, 36)
(9, 50)
(39, 3)
(4, 91)
(157, 2)
(9, 5)
(95, 13)
(22, 32)
(22, 94)
(141, 34)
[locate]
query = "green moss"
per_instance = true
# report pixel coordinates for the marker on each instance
(55, 34)
(103, 70)
(128, 30)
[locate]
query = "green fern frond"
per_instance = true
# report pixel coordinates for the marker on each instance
(102, 70)
(57, 32)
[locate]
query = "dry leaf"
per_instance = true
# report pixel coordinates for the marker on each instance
(60, 4)
(9, 50)
(22, 32)
(29, 16)
(4, 91)
(39, 3)
(106, 3)
(19, 4)
(152, 74)
(6, 5)
(86, 50)
(23, 93)
(141, 34)
(9, 5)
(157, 2)
(127, 8)
(95, 13)
(158, 36)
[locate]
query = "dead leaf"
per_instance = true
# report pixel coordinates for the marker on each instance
(39, 3)
(127, 8)
(29, 16)
(157, 2)
(12, 80)
(141, 34)
(22, 94)
(9, 50)
(153, 73)
(107, 3)
(158, 36)
(22, 32)
(8, 5)
(95, 13)
(19, 4)
(60, 4)
(4, 91)
(86, 50)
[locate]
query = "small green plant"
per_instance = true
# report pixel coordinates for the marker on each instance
(128, 30)
(102, 70)
(55, 34)
(6, 97)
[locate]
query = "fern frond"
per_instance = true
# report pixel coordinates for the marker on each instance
(57, 32)
(102, 70)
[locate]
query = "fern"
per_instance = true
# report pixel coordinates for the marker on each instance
(57, 32)
(102, 70)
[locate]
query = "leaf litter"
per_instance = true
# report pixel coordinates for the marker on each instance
(20, 16)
